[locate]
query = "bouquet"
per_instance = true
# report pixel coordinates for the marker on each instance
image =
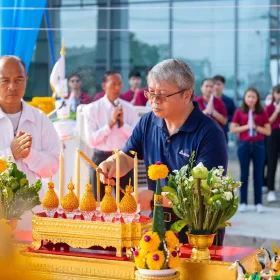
(158, 249)
(203, 200)
(16, 194)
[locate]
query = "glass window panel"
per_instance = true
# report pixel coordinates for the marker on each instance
(204, 37)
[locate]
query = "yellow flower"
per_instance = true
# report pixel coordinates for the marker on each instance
(157, 171)
(3, 165)
(171, 239)
(139, 258)
(173, 260)
(155, 260)
(149, 241)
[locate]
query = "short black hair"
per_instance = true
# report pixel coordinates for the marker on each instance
(134, 74)
(109, 73)
(206, 79)
(16, 58)
(276, 89)
(74, 74)
(219, 78)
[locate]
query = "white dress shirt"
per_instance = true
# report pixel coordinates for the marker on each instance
(43, 159)
(99, 135)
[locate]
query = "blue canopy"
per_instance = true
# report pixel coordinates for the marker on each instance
(19, 27)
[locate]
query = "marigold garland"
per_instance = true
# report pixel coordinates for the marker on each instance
(139, 258)
(171, 239)
(157, 171)
(173, 260)
(155, 260)
(3, 165)
(149, 241)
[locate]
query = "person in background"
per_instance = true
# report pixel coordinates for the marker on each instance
(98, 95)
(134, 83)
(76, 95)
(109, 123)
(267, 101)
(251, 123)
(219, 85)
(27, 134)
(140, 99)
(273, 142)
(210, 105)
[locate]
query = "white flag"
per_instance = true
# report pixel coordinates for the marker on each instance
(58, 81)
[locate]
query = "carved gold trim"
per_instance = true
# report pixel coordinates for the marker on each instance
(85, 234)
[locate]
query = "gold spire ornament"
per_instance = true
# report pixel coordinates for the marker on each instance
(128, 203)
(62, 51)
(70, 202)
(88, 202)
(50, 200)
(108, 204)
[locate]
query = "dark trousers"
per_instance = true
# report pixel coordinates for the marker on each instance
(273, 151)
(248, 150)
(98, 157)
(265, 163)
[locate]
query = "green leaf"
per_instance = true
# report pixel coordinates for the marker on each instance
(179, 225)
(169, 190)
(8, 194)
(178, 212)
(23, 182)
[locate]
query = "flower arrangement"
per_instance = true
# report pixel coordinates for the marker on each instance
(158, 249)
(203, 200)
(16, 194)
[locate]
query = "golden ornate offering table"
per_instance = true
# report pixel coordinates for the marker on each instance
(76, 266)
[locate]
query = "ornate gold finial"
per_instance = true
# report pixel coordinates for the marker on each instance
(70, 202)
(50, 199)
(257, 265)
(88, 202)
(128, 203)
(108, 203)
(276, 250)
(62, 51)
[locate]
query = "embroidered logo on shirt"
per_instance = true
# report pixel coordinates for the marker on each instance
(184, 153)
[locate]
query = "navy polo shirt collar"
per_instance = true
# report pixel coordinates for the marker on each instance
(189, 125)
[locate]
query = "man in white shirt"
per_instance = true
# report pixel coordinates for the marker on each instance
(27, 135)
(110, 122)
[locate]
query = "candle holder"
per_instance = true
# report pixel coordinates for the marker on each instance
(50, 212)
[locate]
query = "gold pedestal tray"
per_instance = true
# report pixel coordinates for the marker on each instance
(85, 234)
(65, 267)
(138, 276)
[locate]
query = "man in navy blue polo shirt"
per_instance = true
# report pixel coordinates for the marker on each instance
(175, 127)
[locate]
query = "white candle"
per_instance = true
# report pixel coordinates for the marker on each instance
(78, 179)
(118, 170)
(98, 184)
(250, 122)
(61, 174)
(135, 177)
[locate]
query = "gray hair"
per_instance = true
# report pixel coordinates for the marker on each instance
(175, 71)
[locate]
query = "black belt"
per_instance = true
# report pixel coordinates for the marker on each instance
(102, 153)
(168, 213)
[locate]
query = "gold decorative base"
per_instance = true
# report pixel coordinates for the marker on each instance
(200, 244)
(58, 267)
(216, 270)
(138, 276)
(85, 234)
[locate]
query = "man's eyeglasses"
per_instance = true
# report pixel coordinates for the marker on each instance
(74, 81)
(159, 97)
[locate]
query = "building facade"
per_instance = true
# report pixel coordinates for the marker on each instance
(238, 39)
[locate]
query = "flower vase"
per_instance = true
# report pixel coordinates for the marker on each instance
(149, 274)
(200, 244)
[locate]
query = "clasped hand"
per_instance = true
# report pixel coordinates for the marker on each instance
(21, 145)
